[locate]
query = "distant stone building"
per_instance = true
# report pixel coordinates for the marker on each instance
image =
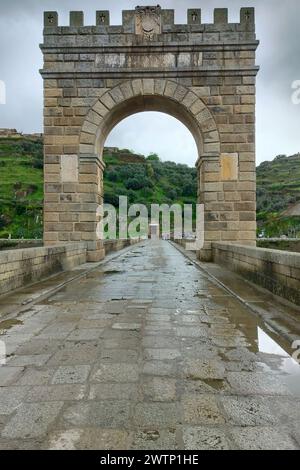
(14, 133)
(293, 211)
(9, 132)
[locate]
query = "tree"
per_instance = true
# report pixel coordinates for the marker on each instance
(4, 221)
(172, 194)
(134, 183)
(112, 175)
(153, 157)
(150, 171)
(138, 182)
(111, 198)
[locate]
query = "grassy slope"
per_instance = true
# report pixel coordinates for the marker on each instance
(21, 186)
(278, 187)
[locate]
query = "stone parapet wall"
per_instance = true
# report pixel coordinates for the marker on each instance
(12, 243)
(25, 266)
(275, 270)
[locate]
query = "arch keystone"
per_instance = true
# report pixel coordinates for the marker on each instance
(148, 86)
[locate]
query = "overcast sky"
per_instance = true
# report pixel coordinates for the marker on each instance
(278, 119)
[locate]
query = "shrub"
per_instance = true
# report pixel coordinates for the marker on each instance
(172, 194)
(112, 175)
(4, 221)
(153, 157)
(111, 198)
(134, 183)
(38, 163)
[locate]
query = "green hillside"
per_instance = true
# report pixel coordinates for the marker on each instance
(278, 188)
(21, 188)
(142, 179)
(148, 180)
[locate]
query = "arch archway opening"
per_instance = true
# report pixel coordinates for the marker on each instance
(152, 177)
(155, 132)
(135, 96)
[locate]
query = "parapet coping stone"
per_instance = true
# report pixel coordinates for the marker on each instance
(9, 256)
(265, 254)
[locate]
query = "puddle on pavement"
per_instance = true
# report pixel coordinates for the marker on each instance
(288, 366)
(277, 354)
(114, 271)
(276, 349)
(267, 345)
(7, 324)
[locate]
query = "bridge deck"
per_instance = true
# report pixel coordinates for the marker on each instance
(146, 351)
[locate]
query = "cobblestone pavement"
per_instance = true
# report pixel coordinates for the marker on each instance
(146, 352)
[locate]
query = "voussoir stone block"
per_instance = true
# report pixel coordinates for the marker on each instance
(117, 95)
(180, 92)
(189, 99)
(126, 90)
(94, 117)
(137, 86)
(108, 101)
(197, 107)
(170, 89)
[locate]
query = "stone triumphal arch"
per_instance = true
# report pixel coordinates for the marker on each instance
(95, 76)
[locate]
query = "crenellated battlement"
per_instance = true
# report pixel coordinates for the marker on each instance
(147, 40)
(162, 21)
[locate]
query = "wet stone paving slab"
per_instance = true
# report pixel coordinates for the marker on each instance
(146, 352)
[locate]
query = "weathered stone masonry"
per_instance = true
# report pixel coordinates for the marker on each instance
(202, 74)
